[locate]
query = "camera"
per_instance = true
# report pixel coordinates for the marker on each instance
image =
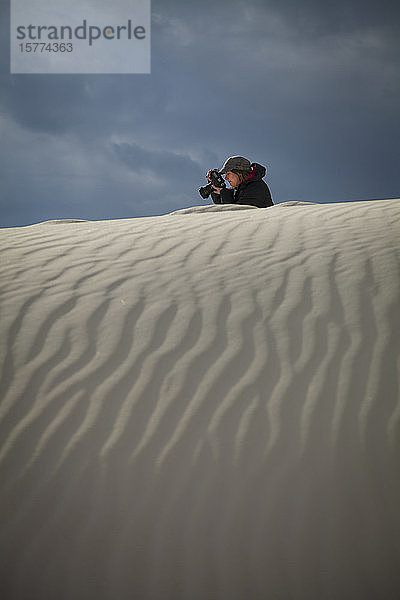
(216, 179)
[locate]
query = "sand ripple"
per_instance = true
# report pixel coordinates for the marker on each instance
(203, 405)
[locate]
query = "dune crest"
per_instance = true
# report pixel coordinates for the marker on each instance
(200, 408)
(211, 208)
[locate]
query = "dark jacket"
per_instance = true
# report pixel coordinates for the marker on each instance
(253, 190)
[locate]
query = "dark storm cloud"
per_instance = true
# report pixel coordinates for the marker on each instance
(341, 15)
(156, 161)
(309, 89)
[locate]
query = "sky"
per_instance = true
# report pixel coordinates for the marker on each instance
(309, 89)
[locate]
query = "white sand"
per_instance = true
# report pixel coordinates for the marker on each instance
(202, 406)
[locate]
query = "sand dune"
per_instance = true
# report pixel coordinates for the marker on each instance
(202, 406)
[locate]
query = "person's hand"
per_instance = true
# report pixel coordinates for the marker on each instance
(216, 190)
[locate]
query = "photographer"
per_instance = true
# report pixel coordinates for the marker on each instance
(245, 179)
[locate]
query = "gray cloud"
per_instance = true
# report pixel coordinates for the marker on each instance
(310, 90)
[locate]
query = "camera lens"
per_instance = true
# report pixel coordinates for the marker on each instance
(205, 191)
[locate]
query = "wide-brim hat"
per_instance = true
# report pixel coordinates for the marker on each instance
(236, 163)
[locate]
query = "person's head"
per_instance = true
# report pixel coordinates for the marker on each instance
(236, 169)
(234, 178)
